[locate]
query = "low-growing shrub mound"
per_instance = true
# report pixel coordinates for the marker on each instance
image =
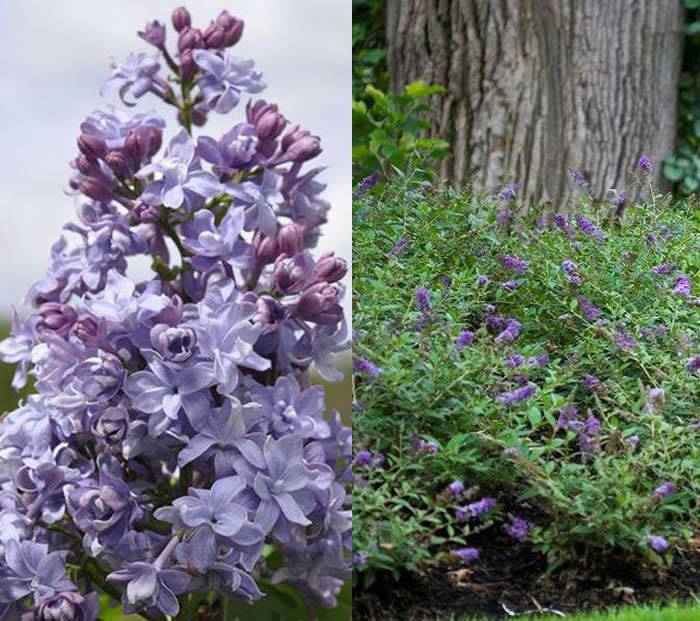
(530, 376)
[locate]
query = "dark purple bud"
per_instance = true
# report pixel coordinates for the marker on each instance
(154, 33)
(181, 19)
(143, 213)
(214, 37)
(199, 114)
(266, 248)
(110, 425)
(234, 33)
(330, 268)
(92, 147)
(319, 303)
(56, 317)
(84, 166)
(267, 119)
(95, 189)
(117, 162)
(190, 39)
(187, 65)
(90, 331)
(290, 240)
(299, 145)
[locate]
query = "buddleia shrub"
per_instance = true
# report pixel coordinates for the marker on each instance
(538, 373)
(174, 454)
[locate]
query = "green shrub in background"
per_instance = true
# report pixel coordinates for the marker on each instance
(368, 46)
(388, 130)
(683, 168)
(551, 368)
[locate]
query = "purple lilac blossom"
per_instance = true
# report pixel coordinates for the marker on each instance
(225, 78)
(186, 396)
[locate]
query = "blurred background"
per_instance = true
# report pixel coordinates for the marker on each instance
(56, 57)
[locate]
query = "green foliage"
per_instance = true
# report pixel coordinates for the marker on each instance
(683, 168)
(387, 130)
(586, 506)
(368, 46)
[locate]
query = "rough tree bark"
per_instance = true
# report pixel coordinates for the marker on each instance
(535, 87)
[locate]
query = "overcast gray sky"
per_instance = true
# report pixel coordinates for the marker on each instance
(56, 56)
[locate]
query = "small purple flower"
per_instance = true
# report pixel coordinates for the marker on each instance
(633, 441)
(362, 365)
(365, 185)
(180, 179)
(476, 509)
(693, 364)
(619, 200)
(359, 560)
(482, 280)
(68, 606)
(518, 529)
(135, 75)
(682, 286)
(464, 339)
(663, 269)
(400, 246)
(510, 286)
(645, 165)
(624, 340)
(518, 395)
(423, 301)
(455, 488)
(578, 178)
(465, 555)
(211, 243)
(363, 457)
(510, 332)
(571, 272)
(514, 264)
(569, 418)
(508, 193)
(658, 543)
(665, 489)
(591, 382)
(514, 361)
(225, 78)
(260, 201)
(587, 227)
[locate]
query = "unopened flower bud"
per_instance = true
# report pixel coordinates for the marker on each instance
(187, 65)
(268, 121)
(299, 145)
(290, 239)
(154, 33)
(174, 343)
(214, 37)
(199, 114)
(57, 318)
(190, 39)
(319, 303)
(181, 19)
(266, 248)
(92, 147)
(117, 162)
(95, 189)
(330, 268)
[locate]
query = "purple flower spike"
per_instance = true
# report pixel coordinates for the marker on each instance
(465, 555)
(518, 529)
(658, 543)
(645, 165)
(665, 489)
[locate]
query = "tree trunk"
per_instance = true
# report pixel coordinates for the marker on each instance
(538, 87)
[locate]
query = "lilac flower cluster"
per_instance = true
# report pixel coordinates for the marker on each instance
(174, 431)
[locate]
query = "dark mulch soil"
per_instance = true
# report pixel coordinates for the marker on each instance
(506, 575)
